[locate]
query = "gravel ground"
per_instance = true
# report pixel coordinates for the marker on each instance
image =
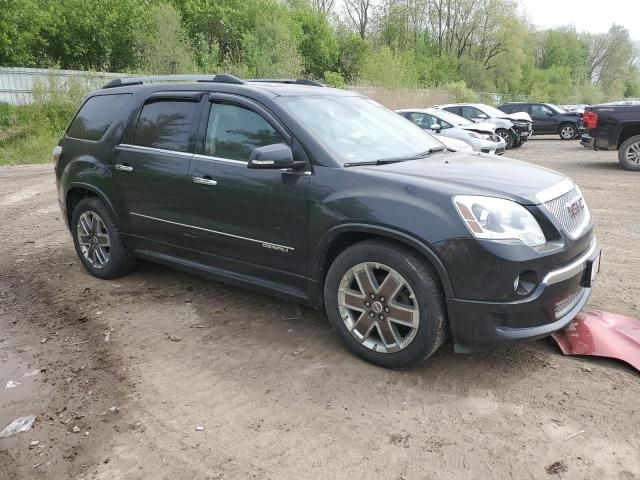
(163, 375)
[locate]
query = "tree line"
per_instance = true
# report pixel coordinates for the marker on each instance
(461, 45)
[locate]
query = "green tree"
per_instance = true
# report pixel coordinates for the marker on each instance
(164, 47)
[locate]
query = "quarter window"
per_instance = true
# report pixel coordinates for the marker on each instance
(166, 125)
(234, 132)
(96, 115)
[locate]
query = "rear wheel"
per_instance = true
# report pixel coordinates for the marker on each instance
(97, 240)
(629, 153)
(385, 303)
(568, 131)
(508, 138)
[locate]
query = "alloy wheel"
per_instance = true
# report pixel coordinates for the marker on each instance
(633, 153)
(508, 139)
(568, 132)
(378, 307)
(93, 239)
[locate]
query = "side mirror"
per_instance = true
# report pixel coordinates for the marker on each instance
(548, 114)
(273, 157)
(483, 116)
(435, 127)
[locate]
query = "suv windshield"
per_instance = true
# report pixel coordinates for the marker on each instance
(357, 129)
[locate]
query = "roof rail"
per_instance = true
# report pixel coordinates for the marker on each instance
(293, 81)
(219, 78)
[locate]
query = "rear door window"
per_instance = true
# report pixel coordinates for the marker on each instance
(234, 132)
(96, 115)
(165, 124)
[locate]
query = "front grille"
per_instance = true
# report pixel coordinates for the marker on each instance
(563, 307)
(571, 212)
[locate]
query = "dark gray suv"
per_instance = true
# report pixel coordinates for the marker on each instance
(325, 198)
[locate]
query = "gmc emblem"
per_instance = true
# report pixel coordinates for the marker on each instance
(575, 207)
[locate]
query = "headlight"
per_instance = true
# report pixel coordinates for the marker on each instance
(481, 136)
(499, 219)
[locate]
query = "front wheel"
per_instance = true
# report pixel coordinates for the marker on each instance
(508, 138)
(568, 132)
(97, 240)
(385, 303)
(629, 153)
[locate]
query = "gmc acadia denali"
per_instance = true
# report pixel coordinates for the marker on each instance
(325, 198)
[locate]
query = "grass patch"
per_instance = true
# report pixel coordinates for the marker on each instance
(28, 133)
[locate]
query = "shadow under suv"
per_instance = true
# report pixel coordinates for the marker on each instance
(325, 198)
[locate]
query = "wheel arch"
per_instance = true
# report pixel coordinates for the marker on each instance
(627, 131)
(339, 238)
(77, 191)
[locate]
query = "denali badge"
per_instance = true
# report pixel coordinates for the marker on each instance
(280, 248)
(575, 206)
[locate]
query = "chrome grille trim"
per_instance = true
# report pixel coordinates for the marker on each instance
(560, 208)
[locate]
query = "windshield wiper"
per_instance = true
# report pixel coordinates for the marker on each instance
(386, 161)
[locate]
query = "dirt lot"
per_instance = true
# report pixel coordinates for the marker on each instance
(275, 394)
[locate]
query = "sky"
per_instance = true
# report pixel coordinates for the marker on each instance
(595, 16)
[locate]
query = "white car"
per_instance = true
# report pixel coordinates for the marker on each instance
(515, 128)
(482, 137)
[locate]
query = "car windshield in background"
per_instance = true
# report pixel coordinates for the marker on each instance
(556, 108)
(357, 129)
(492, 112)
(451, 118)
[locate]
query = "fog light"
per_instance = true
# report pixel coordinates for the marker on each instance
(525, 283)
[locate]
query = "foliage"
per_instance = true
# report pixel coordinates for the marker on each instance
(391, 43)
(460, 92)
(334, 79)
(164, 47)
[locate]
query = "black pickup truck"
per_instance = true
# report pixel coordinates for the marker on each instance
(614, 127)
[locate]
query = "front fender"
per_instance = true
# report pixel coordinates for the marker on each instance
(385, 232)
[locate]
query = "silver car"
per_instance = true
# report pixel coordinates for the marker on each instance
(481, 136)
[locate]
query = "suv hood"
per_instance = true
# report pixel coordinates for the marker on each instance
(474, 174)
(483, 127)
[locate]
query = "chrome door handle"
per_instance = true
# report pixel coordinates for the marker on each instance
(204, 181)
(124, 168)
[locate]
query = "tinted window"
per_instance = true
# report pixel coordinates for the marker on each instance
(456, 110)
(165, 124)
(540, 111)
(96, 115)
(471, 112)
(234, 132)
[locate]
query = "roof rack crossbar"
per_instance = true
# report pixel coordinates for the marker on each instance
(219, 78)
(293, 81)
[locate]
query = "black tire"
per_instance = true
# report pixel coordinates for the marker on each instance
(568, 131)
(431, 330)
(629, 154)
(119, 262)
(508, 137)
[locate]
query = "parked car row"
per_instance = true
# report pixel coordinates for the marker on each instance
(484, 128)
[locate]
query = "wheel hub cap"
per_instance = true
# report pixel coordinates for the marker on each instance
(633, 153)
(378, 307)
(93, 239)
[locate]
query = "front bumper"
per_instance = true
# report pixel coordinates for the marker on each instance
(556, 300)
